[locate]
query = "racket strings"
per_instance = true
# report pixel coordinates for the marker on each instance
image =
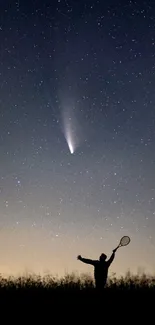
(125, 241)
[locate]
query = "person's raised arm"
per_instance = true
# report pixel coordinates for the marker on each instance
(85, 260)
(111, 258)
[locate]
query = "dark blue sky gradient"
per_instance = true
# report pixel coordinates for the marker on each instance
(90, 64)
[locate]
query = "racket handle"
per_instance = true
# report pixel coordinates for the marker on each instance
(114, 250)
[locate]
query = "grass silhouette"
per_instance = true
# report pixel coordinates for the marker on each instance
(75, 283)
(52, 296)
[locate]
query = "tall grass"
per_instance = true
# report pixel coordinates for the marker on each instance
(73, 282)
(76, 295)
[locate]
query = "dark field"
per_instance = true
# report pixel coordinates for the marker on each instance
(72, 298)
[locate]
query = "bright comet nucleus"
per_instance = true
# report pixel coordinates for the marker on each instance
(70, 146)
(69, 129)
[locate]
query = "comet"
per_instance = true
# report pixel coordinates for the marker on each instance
(69, 140)
(70, 145)
(69, 130)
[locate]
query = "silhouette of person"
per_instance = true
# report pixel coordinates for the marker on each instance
(101, 267)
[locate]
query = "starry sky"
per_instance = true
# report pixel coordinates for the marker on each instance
(77, 134)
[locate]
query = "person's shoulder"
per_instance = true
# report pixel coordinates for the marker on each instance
(96, 262)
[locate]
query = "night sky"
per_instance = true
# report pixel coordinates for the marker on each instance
(77, 134)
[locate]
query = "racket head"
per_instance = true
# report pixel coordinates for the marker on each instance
(125, 240)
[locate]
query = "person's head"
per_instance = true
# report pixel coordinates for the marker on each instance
(102, 257)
